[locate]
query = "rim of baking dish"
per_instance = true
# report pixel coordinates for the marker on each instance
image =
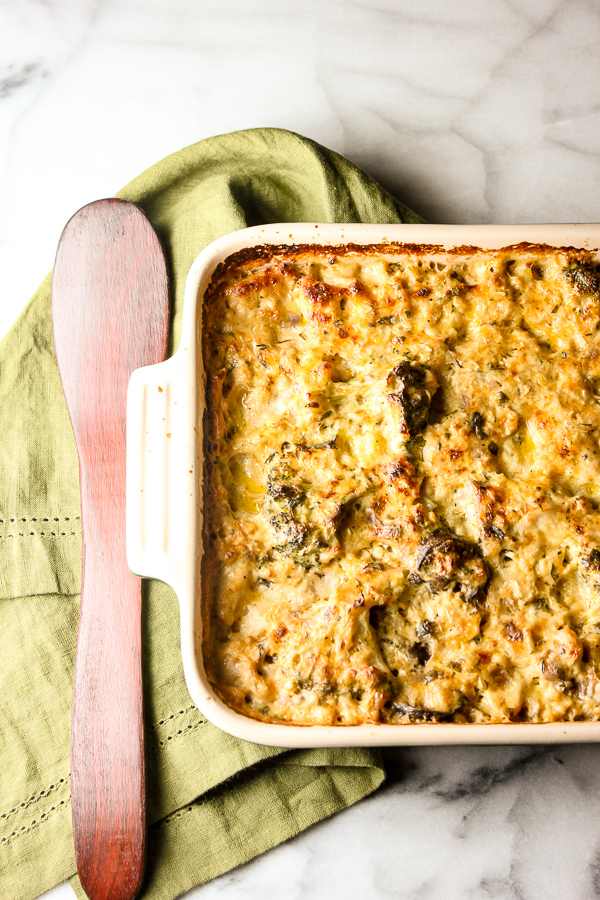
(164, 481)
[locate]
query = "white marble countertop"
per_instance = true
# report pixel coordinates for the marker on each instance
(472, 111)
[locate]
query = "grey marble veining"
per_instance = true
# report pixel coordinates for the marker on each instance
(470, 111)
(500, 823)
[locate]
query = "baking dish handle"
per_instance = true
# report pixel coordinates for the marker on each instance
(162, 474)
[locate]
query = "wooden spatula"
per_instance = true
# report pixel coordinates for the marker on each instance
(110, 316)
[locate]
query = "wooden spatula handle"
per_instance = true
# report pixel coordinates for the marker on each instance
(110, 316)
(107, 747)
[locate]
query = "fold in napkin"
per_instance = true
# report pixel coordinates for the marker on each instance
(213, 801)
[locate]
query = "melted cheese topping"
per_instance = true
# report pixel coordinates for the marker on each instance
(401, 485)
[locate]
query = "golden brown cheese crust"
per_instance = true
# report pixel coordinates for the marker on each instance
(402, 478)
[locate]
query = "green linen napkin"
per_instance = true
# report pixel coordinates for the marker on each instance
(213, 801)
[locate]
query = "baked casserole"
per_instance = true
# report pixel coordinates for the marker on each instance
(401, 484)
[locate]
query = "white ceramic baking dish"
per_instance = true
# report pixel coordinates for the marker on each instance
(164, 481)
